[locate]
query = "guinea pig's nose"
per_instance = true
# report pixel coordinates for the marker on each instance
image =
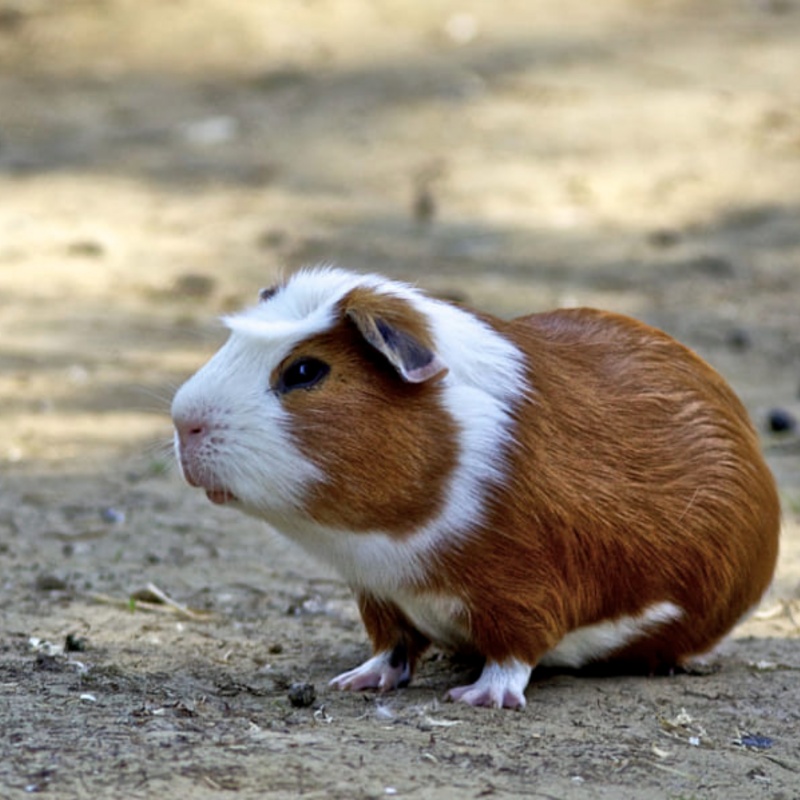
(190, 431)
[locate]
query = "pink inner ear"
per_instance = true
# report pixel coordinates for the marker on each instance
(414, 361)
(434, 368)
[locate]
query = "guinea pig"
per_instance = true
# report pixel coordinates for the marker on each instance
(560, 489)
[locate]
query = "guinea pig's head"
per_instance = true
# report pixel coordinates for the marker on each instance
(325, 405)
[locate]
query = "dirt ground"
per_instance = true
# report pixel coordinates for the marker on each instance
(159, 162)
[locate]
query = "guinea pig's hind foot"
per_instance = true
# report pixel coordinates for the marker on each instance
(381, 672)
(501, 685)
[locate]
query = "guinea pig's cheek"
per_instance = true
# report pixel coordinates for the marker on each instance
(270, 472)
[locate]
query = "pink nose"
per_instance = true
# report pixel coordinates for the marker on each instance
(191, 435)
(191, 432)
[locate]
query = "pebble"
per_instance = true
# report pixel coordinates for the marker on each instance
(113, 515)
(756, 742)
(739, 339)
(302, 695)
(50, 583)
(779, 420)
(75, 644)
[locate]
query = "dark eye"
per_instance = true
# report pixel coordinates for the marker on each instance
(302, 374)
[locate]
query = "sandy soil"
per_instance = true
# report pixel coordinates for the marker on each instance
(159, 162)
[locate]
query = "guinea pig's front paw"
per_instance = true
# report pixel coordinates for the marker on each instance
(499, 686)
(377, 672)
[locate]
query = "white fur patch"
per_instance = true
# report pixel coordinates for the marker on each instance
(442, 619)
(248, 450)
(486, 381)
(254, 457)
(594, 642)
(302, 308)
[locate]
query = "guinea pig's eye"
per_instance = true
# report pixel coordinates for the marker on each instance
(302, 374)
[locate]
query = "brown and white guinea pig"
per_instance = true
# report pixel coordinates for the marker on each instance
(564, 488)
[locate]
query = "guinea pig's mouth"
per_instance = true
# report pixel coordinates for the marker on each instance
(220, 496)
(214, 493)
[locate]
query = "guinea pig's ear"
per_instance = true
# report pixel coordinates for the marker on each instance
(396, 331)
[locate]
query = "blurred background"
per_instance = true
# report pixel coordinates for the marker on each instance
(160, 161)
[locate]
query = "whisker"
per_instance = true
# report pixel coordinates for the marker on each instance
(161, 396)
(161, 452)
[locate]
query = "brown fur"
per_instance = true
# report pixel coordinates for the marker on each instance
(383, 443)
(389, 629)
(396, 312)
(636, 479)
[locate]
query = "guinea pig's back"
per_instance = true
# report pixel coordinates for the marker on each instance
(645, 475)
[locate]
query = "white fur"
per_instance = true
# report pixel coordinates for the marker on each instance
(485, 382)
(255, 459)
(594, 642)
(441, 618)
(300, 309)
(499, 686)
(251, 453)
(248, 450)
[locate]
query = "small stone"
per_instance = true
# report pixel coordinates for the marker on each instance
(756, 742)
(50, 583)
(113, 515)
(779, 420)
(739, 339)
(302, 695)
(75, 644)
